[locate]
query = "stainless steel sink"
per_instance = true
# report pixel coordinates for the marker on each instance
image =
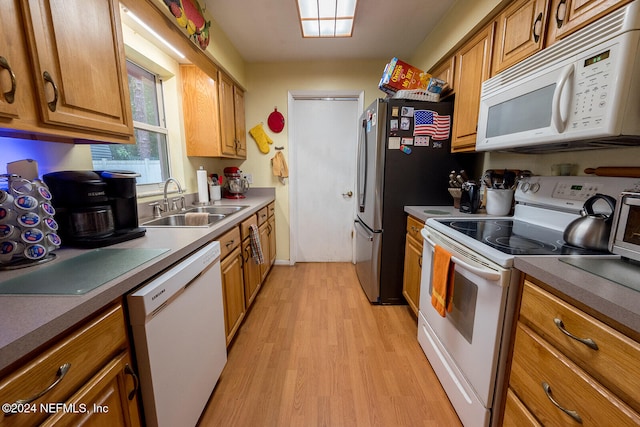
(215, 214)
(222, 210)
(179, 220)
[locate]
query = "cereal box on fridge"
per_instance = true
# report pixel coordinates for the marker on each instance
(398, 75)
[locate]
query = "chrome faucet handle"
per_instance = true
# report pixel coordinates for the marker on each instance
(174, 203)
(182, 203)
(157, 210)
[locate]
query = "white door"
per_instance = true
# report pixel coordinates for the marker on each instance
(323, 149)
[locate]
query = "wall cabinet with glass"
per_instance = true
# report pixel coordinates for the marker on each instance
(67, 85)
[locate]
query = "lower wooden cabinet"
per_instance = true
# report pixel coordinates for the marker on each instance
(84, 378)
(569, 368)
(232, 281)
(412, 264)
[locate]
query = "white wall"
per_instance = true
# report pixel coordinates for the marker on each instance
(268, 86)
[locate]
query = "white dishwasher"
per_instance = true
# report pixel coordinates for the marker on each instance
(177, 321)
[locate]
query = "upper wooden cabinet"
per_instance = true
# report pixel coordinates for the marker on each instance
(78, 60)
(568, 16)
(445, 71)
(520, 32)
(14, 65)
(473, 65)
(201, 112)
(232, 127)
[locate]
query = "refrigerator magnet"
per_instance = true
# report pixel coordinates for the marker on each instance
(405, 149)
(407, 141)
(421, 141)
(437, 144)
(394, 142)
(407, 111)
(405, 123)
(395, 110)
(393, 124)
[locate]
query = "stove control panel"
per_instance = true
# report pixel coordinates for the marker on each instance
(575, 190)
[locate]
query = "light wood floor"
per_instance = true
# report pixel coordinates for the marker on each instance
(314, 352)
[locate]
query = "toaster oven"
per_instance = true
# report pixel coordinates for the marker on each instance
(625, 234)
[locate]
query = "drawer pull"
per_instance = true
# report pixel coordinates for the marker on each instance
(136, 382)
(62, 371)
(572, 414)
(586, 341)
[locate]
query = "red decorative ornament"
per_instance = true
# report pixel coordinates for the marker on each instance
(276, 121)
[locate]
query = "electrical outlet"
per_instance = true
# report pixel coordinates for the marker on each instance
(248, 177)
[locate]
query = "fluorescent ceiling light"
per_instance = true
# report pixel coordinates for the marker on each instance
(153, 33)
(327, 18)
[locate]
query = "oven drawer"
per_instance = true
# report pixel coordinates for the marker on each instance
(537, 365)
(614, 364)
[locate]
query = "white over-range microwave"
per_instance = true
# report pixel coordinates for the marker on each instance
(581, 92)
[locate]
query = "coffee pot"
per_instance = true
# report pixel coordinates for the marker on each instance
(235, 185)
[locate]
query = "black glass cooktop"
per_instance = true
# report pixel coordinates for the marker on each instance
(516, 237)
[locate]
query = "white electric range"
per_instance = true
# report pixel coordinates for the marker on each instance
(468, 348)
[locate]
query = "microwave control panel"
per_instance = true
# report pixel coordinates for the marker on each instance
(592, 84)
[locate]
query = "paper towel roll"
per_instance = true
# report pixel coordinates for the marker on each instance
(203, 187)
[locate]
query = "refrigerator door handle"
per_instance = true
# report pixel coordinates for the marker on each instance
(362, 166)
(362, 230)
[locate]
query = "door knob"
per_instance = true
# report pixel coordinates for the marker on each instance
(348, 194)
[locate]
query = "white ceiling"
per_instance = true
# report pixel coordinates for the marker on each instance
(268, 30)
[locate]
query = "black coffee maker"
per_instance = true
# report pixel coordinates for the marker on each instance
(95, 208)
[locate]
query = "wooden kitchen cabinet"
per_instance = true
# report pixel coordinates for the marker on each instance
(413, 264)
(597, 377)
(520, 32)
(201, 112)
(271, 234)
(14, 64)
(473, 66)
(568, 16)
(90, 365)
(264, 243)
(251, 270)
(445, 71)
(79, 71)
(232, 126)
(232, 282)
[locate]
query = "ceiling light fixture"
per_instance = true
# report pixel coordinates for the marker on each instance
(327, 18)
(153, 33)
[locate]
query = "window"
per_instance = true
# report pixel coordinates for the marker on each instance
(149, 155)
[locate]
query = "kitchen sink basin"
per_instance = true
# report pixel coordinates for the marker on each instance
(179, 220)
(215, 214)
(218, 210)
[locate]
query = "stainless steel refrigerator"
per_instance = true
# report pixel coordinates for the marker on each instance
(404, 158)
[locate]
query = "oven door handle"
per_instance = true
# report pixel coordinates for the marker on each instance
(485, 273)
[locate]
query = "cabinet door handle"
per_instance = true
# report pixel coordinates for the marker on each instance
(572, 414)
(420, 261)
(48, 79)
(561, 12)
(136, 382)
(537, 28)
(586, 341)
(11, 95)
(229, 243)
(62, 371)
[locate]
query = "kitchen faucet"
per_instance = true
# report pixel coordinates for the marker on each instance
(165, 200)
